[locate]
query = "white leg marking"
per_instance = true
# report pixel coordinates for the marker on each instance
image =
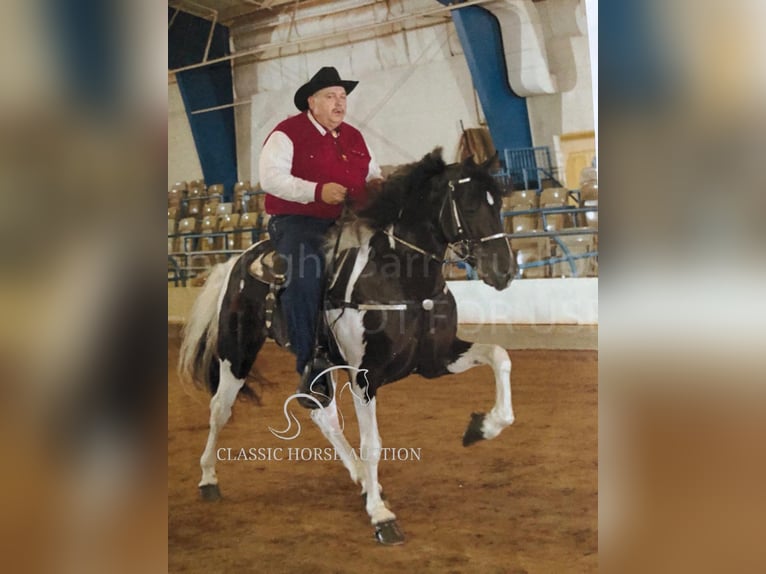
(501, 414)
(347, 326)
(360, 263)
(328, 422)
(220, 411)
(348, 329)
(369, 452)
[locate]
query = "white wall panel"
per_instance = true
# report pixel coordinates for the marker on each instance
(571, 301)
(403, 112)
(183, 161)
(364, 58)
(404, 106)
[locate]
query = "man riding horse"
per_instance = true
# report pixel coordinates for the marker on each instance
(310, 164)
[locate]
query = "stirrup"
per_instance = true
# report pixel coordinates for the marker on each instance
(320, 388)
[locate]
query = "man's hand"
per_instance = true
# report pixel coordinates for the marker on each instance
(333, 193)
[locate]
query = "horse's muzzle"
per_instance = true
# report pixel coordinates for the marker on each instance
(496, 264)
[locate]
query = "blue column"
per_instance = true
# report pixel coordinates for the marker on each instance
(506, 112)
(214, 132)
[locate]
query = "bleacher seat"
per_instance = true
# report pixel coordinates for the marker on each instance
(589, 198)
(532, 250)
(197, 184)
(576, 245)
(171, 231)
(264, 223)
(247, 221)
(174, 197)
(186, 226)
(181, 185)
(208, 226)
(224, 209)
(242, 186)
(240, 189)
(229, 222)
(257, 202)
(554, 197)
(522, 200)
(194, 203)
(215, 189)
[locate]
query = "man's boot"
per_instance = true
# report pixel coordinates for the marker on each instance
(314, 385)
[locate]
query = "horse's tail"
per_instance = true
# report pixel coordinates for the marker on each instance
(200, 335)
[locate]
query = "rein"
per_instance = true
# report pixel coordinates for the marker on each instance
(415, 247)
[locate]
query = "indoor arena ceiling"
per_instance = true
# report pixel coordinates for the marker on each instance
(227, 11)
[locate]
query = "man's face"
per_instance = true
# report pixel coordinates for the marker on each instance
(328, 106)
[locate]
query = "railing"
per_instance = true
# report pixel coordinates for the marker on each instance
(527, 168)
(190, 261)
(555, 235)
(187, 263)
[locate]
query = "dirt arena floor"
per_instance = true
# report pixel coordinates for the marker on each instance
(523, 502)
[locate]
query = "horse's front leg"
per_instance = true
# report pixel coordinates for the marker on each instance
(386, 529)
(486, 426)
(328, 422)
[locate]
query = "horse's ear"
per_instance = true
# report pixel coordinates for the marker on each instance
(491, 161)
(431, 164)
(434, 158)
(470, 162)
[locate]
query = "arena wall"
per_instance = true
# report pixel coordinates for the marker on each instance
(568, 301)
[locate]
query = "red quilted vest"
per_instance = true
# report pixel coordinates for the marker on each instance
(323, 159)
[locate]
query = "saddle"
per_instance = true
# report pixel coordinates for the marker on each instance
(264, 264)
(267, 267)
(270, 269)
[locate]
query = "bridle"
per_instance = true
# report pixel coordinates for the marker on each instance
(461, 245)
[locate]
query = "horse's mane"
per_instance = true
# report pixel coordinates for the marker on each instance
(404, 193)
(404, 196)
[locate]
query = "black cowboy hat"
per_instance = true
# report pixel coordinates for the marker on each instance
(324, 78)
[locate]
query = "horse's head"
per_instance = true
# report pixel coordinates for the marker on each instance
(470, 220)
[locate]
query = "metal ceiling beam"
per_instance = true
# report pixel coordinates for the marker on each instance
(329, 35)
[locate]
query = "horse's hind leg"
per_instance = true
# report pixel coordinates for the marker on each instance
(240, 337)
(220, 411)
(469, 355)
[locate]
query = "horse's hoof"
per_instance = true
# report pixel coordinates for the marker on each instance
(474, 433)
(210, 492)
(388, 533)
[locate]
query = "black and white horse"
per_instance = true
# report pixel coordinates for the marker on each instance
(388, 310)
